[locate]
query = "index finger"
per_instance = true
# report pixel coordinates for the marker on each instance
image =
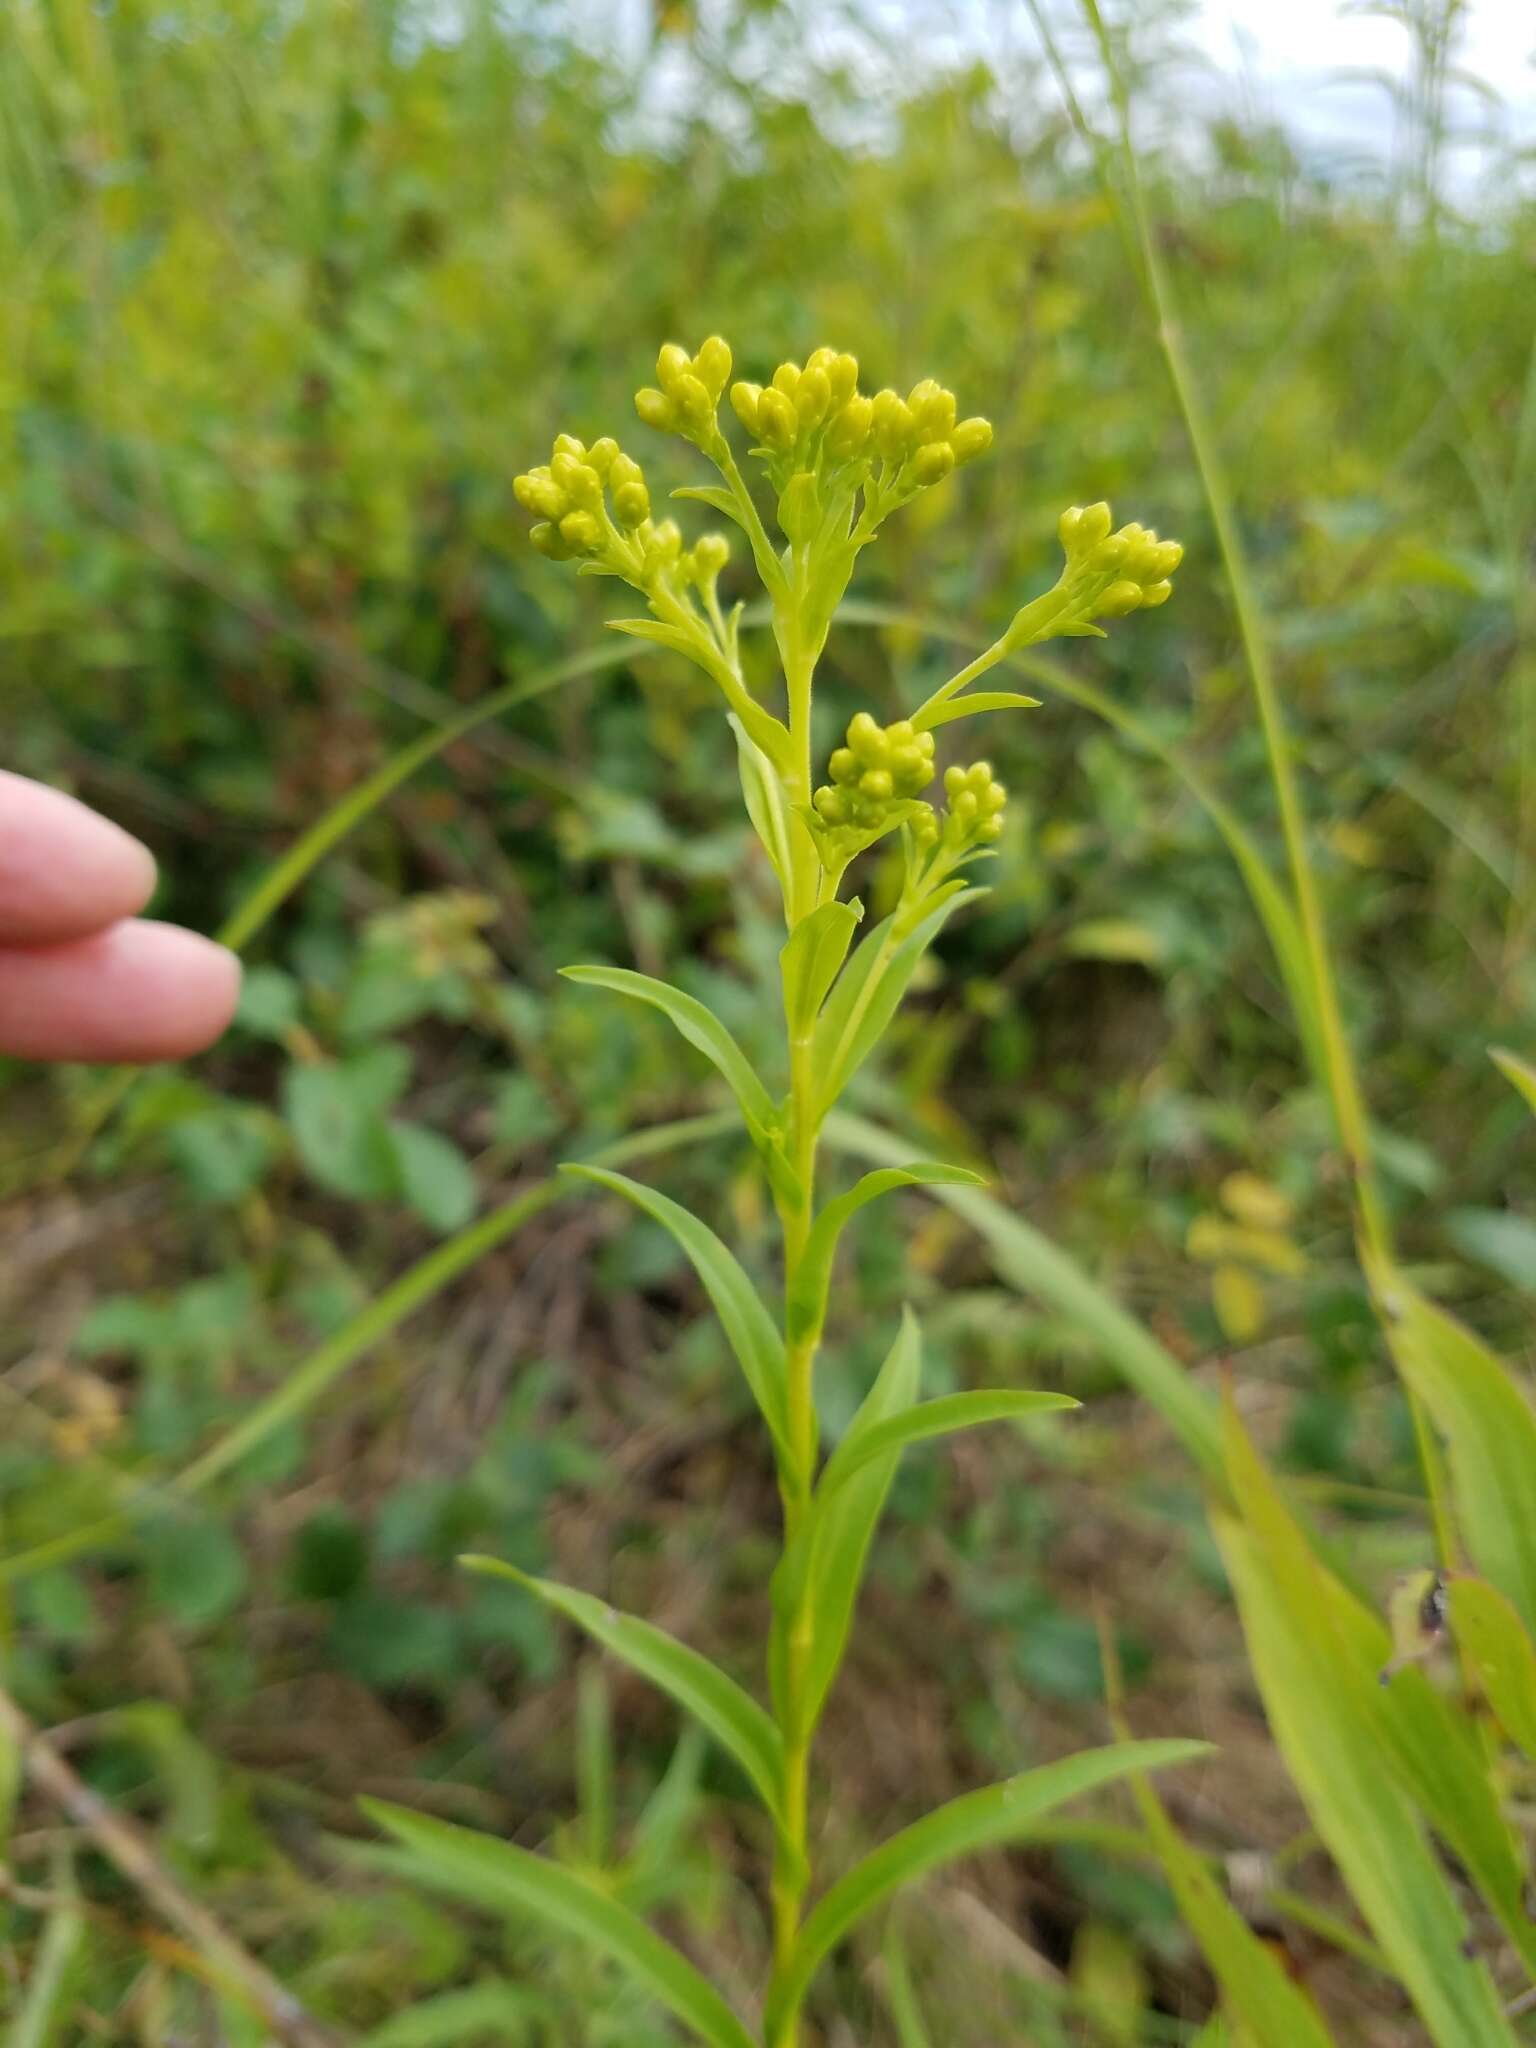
(64, 871)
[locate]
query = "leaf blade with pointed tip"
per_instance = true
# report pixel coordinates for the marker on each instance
(977, 1820)
(716, 1702)
(500, 1877)
(928, 1419)
(751, 1331)
(968, 707)
(1492, 1636)
(699, 1025)
(811, 959)
(805, 1304)
(1519, 1073)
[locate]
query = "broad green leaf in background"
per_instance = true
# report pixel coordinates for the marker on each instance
(1518, 1072)
(436, 1180)
(1315, 1677)
(927, 1419)
(1491, 1635)
(1488, 1426)
(753, 1335)
(717, 1702)
(1498, 1239)
(976, 1821)
(703, 1030)
(1029, 1261)
(810, 960)
(807, 1300)
(500, 1878)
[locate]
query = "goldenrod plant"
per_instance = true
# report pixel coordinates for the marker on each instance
(837, 464)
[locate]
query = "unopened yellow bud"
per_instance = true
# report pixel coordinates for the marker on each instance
(1109, 554)
(843, 376)
(672, 362)
(876, 784)
(567, 444)
(656, 409)
(971, 438)
(865, 738)
(821, 359)
(602, 453)
(546, 538)
(1094, 525)
(693, 402)
(624, 470)
(536, 491)
(778, 423)
(813, 395)
(1154, 594)
(786, 378)
(930, 465)
(711, 552)
(1163, 560)
(665, 544)
(1120, 600)
(631, 505)
(849, 432)
(892, 426)
(932, 408)
(712, 364)
(581, 532)
(744, 403)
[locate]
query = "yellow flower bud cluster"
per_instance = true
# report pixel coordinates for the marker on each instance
(976, 804)
(569, 495)
(1129, 570)
(874, 778)
(817, 413)
(687, 390)
(593, 505)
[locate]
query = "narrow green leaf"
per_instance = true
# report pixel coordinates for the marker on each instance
(978, 1820)
(1254, 1984)
(967, 707)
(1030, 1262)
(702, 1029)
(653, 629)
(1494, 1639)
(717, 1702)
(811, 959)
(806, 1304)
(1488, 1426)
(711, 494)
(1314, 1663)
(753, 1335)
(1519, 1073)
(764, 798)
(501, 1878)
(47, 2004)
(943, 1417)
(869, 990)
(822, 1570)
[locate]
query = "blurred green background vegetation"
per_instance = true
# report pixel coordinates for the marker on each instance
(291, 293)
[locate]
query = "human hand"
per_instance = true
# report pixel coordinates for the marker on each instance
(81, 977)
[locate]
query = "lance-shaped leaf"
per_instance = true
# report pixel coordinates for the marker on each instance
(821, 1571)
(501, 1878)
(869, 990)
(1517, 1072)
(978, 1820)
(1494, 1640)
(753, 1335)
(702, 1029)
(1255, 1985)
(967, 707)
(928, 1419)
(806, 1303)
(716, 1702)
(1489, 1429)
(811, 958)
(764, 797)
(1313, 1662)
